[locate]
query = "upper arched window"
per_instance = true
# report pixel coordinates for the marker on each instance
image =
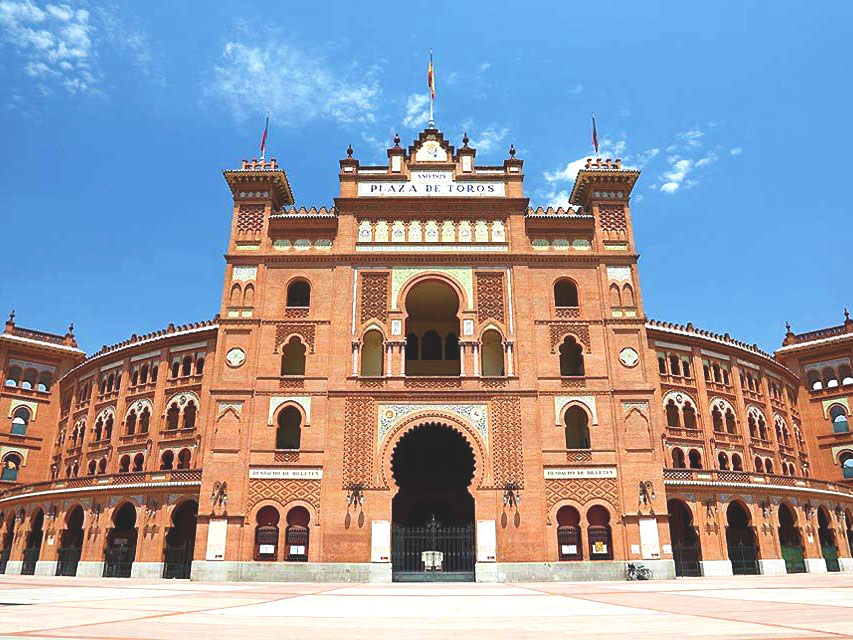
(288, 435)
(695, 459)
(577, 428)
(299, 294)
(20, 421)
(13, 376)
(293, 358)
(565, 294)
(492, 354)
(571, 358)
(11, 464)
(846, 460)
(838, 415)
(372, 350)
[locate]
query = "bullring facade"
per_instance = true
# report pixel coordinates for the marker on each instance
(429, 380)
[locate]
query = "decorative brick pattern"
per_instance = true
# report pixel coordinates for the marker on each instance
(286, 456)
(374, 297)
(578, 456)
(284, 492)
(490, 297)
(306, 330)
(250, 218)
(560, 329)
(582, 490)
(359, 436)
(612, 218)
(568, 312)
(507, 446)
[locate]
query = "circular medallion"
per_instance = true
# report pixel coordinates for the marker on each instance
(629, 357)
(235, 357)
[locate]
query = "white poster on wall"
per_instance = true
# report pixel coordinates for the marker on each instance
(486, 541)
(217, 531)
(649, 541)
(380, 541)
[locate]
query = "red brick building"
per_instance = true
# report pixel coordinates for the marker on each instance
(429, 380)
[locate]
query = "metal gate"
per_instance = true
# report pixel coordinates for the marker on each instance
(744, 559)
(69, 558)
(451, 560)
(178, 561)
(31, 556)
(830, 554)
(118, 561)
(794, 558)
(4, 559)
(687, 557)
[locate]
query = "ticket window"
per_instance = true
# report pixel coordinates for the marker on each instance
(569, 545)
(266, 534)
(297, 535)
(598, 533)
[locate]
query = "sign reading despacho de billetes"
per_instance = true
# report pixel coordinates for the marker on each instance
(270, 473)
(432, 183)
(580, 472)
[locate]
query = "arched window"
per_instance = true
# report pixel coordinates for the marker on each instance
(184, 459)
(176, 368)
(723, 461)
(569, 545)
(759, 465)
(762, 428)
(598, 533)
(296, 536)
(187, 366)
(124, 464)
(689, 415)
(814, 381)
(266, 533)
(431, 346)
(730, 421)
(565, 294)
(571, 358)
(143, 374)
(412, 348)
(661, 363)
(20, 421)
(615, 296)
(627, 296)
(717, 420)
(737, 463)
(846, 460)
(695, 459)
(92, 467)
(293, 358)
(372, 354)
(167, 461)
(13, 376)
(134, 377)
(451, 347)
(838, 415)
(753, 429)
(768, 465)
(102, 466)
(30, 377)
(674, 369)
(289, 432)
(11, 465)
(678, 459)
(99, 428)
(830, 379)
(108, 428)
(845, 374)
(299, 294)
(144, 420)
(199, 365)
(139, 462)
(577, 428)
(492, 354)
(673, 419)
(234, 299)
(190, 412)
(173, 414)
(45, 381)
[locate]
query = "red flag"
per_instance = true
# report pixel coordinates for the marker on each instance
(431, 78)
(594, 135)
(264, 137)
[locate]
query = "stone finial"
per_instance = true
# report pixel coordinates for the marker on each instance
(465, 140)
(349, 151)
(848, 323)
(511, 151)
(790, 338)
(396, 140)
(10, 323)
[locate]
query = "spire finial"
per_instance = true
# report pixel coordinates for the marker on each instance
(71, 328)
(465, 140)
(12, 317)
(788, 326)
(511, 151)
(396, 140)
(349, 151)
(846, 314)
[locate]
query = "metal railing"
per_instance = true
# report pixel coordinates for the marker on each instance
(175, 475)
(754, 478)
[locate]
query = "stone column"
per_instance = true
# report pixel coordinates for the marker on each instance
(770, 561)
(814, 556)
(403, 358)
(712, 535)
(463, 347)
(475, 347)
(356, 352)
(388, 355)
(510, 370)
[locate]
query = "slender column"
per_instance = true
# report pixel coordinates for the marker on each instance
(476, 349)
(402, 358)
(462, 349)
(510, 371)
(388, 353)
(356, 349)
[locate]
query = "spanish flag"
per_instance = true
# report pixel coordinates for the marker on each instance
(431, 77)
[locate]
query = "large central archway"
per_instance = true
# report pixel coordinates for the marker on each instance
(433, 511)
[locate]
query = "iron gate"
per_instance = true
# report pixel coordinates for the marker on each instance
(118, 561)
(455, 544)
(830, 555)
(744, 559)
(31, 556)
(687, 557)
(178, 561)
(794, 558)
(4, 559)
(69, 558)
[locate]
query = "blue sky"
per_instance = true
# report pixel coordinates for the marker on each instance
(117, 119)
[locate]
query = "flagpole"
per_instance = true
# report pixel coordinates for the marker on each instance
(431, 92)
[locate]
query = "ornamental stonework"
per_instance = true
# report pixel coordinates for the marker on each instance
(559, 329)
(285, 329)
(582, 490)
(359, 427)
(284, 492)
(250, 218)
(507, 445)
(490, 297)
(612, 218)
(374, 297)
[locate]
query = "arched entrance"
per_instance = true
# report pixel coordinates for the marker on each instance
(71, 543)
(791, 541)
(740, 541)
(686, 550)
(7, 540)
(432, 330)
(33, 548)
(826, 535)
(121, 543)
(433, 512)
(180, 541)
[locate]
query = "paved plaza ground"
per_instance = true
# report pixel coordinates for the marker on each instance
(797, 606)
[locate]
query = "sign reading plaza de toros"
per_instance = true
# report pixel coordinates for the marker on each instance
(432, 183)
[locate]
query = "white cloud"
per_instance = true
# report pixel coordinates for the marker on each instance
(489, 138)
(127, 35)
(578, 88)
(690, 138)
(485, 66)
(736, 151)
(417, 110)
(644, 157)
(55, 43)
(678, 170)
(294, 85)
(711, 158)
